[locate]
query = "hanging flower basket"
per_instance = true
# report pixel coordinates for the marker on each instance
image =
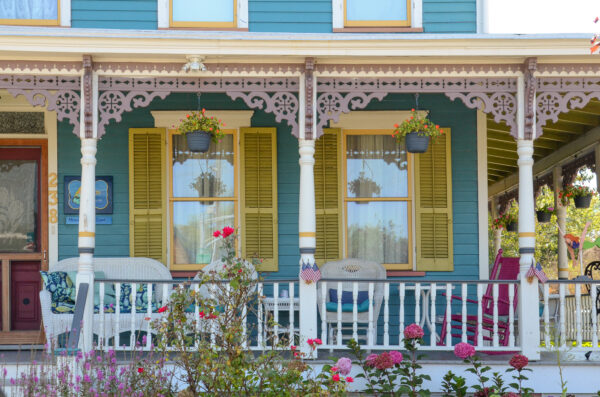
(417, 131)
(200, 130)
(416, 143)
(582, 201)
(198, 141)
(543, 216)
(511, 227)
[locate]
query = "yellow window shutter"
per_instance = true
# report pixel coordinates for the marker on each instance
(147, 197)
(327, 196)
(259, 195)
(433, 189)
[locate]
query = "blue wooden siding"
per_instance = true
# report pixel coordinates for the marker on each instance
(449, 16)
(114, 14)
(306, 16)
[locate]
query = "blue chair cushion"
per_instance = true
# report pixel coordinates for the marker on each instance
(141, 299)
(347, 307)
(63, 307)
(61, 289)
(347, 296)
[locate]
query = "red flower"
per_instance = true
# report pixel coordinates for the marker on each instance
(140, 370)
(518, 362)
(187, 115)
(296, 354)
(228, 231)
(217, 233)
(334, 369)
(336, 377)
(396, 125)
(349, 379)
(412, 110)
(201, 314)
(212, 316)
(293, 348)
(318, 341)
(203, 110)
(163, 309)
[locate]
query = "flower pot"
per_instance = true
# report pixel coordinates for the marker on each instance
(416, 143)
(198, 141)
(582, 201)
(543, 216)
(511, 227)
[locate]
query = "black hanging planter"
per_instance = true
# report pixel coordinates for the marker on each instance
(416, 143)
(198, 141)
(582, 201)
(511, 227)
(543, 216)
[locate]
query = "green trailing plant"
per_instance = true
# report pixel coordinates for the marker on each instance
(454, 385)
(417, 123)
(199, 121)
(504, 219)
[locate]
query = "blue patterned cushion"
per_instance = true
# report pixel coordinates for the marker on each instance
(348, 307)
(63, 307)
(61, 288)
(141, 298)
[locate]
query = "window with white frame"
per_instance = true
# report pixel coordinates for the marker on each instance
(376, 14)
(222, 14)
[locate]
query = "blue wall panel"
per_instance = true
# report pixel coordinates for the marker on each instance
(307, 16)
(114, 14)
(449, 16)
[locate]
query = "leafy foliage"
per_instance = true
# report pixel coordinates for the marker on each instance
(417, 123)
(199, 121)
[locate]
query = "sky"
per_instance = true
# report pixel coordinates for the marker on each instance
(542, 16)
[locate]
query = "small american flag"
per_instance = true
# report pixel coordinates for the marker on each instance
(310, 274)
(536, 271)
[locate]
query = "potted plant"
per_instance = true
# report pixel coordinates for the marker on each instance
(544, 213)
(581, 195)
(507, 220)
(200, 129)
(417, 131)
(363, 186)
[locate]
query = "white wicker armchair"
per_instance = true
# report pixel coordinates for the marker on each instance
(351, 268)
(114, 268)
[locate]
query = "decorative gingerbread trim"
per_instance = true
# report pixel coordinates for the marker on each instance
(540, 182)
(88, 97)
(309, 96)
(375, 70)
(491, 95)
(215, 69)
(567, 69)
(14, 67)
(530, 84)
(569, 171)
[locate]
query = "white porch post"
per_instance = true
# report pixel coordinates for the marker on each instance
(87, 198)
(307, 237)
(529, 319)
(561, 220)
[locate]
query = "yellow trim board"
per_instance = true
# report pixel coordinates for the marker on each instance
(87, 234)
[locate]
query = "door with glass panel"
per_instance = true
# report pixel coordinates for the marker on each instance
(23, 232)
(202, 198)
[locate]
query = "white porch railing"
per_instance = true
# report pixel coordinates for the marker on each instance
(569, 320)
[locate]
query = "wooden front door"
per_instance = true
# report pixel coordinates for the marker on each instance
(23, 233)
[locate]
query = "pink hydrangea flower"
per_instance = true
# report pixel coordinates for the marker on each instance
(396, 356)
(370, 360)
(464, 350)
(518, 362)
(413, 331)
(384, 361)
(344, 365)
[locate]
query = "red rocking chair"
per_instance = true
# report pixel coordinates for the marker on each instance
(504, 269)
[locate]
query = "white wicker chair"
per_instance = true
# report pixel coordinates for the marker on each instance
(351, 268)
(114, 268)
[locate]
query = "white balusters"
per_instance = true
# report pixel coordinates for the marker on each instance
(479, 315)
(101, 340)
(463, 320)
(402, 293)
(371, 328)
(594, 314)
(417, 302)
(511, 315)
(546, 316)
(117, 341)
(448, 335)
(355, 311)
(578, 314)
(149, 317)
(291, 312)
(432, 295)
(197, 318)
(260, 317)
(132, 297)
(275, 314)
(561, 294)
(495, 300)
(386, 314)
(324, 338)
(339, 314)
(245, 327)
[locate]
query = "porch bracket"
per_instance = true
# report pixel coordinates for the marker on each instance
(491, 95)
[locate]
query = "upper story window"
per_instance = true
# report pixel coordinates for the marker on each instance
(377, 15)
(207, 14)
(29, 12)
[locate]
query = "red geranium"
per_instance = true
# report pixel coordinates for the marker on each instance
(228, 231)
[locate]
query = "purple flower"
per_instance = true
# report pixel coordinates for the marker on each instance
(86, 378)
(121, 386)
(344, 365)
(396, 356)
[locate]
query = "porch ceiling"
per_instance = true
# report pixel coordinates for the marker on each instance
(502, 148)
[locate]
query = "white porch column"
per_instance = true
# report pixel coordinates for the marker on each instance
(87, 234)
(307, 237)
(561, 220)
(529, 321)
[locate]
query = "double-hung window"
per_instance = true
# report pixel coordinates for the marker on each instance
(204, 13)
(29, 12)
(370, 13)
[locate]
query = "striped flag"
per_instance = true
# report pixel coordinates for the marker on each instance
(310, 274)
(536, 271)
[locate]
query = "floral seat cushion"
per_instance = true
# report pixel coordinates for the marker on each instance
(61, 289)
